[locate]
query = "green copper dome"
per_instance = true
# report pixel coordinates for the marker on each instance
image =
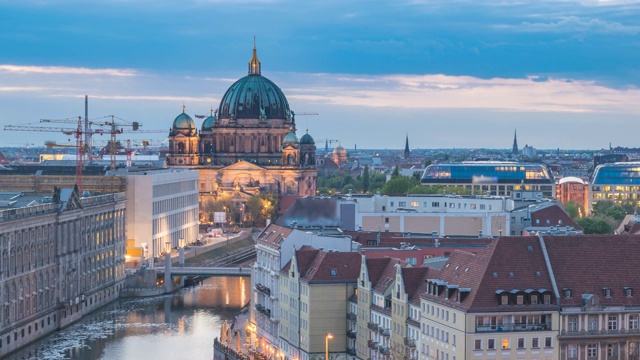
(307, 139)
(290, 138)
(184, 124)
(254, 97)
(207, 124)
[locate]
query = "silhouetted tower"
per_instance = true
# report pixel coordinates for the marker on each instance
(326, 146)
(406, 148)
(515, 144)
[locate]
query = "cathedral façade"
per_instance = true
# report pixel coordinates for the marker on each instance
(248, 145)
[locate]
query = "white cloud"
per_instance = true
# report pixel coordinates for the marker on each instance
(577, 24)
(63, 70)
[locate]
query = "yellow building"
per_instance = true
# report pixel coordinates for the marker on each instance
(315, 287)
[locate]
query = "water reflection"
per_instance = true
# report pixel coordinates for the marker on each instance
(176, 326)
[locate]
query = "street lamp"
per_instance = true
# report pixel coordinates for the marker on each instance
(326, 345)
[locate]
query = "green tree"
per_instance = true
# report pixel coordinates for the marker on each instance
(365, 178)
(396, 172)
(573, 209)
(592, 225)
(262, 207)
(601, 207)
(427, 162)
(399, 185)
(616, 212)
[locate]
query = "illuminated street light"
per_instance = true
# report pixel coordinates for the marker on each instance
(326, 345)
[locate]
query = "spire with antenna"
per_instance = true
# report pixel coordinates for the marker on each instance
(254, 64)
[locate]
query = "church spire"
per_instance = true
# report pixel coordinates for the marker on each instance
(406, 148)
(254, 64)
(515, 144)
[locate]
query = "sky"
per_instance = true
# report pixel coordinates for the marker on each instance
(449, 74)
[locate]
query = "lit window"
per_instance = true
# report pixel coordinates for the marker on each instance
(505, 343)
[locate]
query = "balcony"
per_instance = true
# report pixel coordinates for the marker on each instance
(578, 334)
(372, 345)
(513, 327)
(385, 332)
(410, 342)
(372, 326)
(384, 350)
(351, 351)
(351, 316)
(263, 289)
(351, 334)
(263, 310)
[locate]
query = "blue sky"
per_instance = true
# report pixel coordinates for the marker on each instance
(565, 74)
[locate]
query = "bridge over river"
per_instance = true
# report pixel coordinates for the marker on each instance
(205, 271)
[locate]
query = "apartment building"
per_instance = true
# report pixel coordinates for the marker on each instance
(314, 289)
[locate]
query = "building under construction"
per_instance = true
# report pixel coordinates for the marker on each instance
(43, 179)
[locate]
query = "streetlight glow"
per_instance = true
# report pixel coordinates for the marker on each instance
(327, 337)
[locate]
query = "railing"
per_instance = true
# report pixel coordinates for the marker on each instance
(512, 327)
(384, 350)
(351, 316)
(263, 289)
(351, 334)
(351, 351)
(582, 333)
(410, 342)
(372, 344)
(385, 332)
(372, 326)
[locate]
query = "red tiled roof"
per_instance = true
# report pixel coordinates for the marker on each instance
(414, 281)
(273, 235)
(507, 263)
(318, 266)
(589, 263)
(552, 215)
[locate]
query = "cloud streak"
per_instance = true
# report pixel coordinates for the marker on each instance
(63, 70)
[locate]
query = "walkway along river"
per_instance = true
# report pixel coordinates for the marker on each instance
(175, 326)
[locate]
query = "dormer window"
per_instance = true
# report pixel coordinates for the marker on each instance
(628, 291)
(534, 299)
(333, 272)
(547, 298)
(504, 299)
(607, 292)
(567, 293)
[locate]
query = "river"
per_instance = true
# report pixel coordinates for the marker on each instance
(177, 326)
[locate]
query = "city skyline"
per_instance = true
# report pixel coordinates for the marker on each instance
(456, 74)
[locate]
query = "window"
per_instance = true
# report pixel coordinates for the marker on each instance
(505, 343)
(592, 350)
(386, 220)
(535, 343)
(612, 350)
(613, 322)
(491, 344)
(504, 299)
(402, 203)
(573, 323)
(628, 291)
(415, 204)
(572, 351)
(521, 343)
(534, 299)
(477, 344)
(547, 299)
(520, 299)
(435, 204)
(633, 322)
(567, 293)
(482, 206)
(593, 322)
(334, 272)
(548, 342)
(607, 292)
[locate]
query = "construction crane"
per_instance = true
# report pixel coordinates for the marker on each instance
(114, 128)
(77, 132)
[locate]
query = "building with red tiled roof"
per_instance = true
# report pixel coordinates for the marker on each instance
(315, 289)
(598, 281)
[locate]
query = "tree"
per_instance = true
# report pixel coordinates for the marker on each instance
(616, 212)
(601, 206)
(396, 172)
(573, 209)
(365, 178)
(427, 162)
(262, 207)
(592, 225)
(399, 185)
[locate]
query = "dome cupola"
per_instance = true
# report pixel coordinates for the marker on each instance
(290, 138)
(307, 139)
(183, 124)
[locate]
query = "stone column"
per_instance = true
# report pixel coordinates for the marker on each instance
(167, 272)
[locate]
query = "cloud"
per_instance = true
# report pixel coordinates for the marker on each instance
(575, 24)
(62, 70)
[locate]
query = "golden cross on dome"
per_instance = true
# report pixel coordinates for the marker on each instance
(183, 107)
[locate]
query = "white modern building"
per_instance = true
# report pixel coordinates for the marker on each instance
(162, 208)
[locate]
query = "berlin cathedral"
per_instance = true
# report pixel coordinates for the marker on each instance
(248, 145)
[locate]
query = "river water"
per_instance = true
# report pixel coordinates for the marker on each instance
(177, 326)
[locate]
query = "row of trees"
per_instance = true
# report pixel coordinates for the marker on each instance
(254, 212)
(604, 218)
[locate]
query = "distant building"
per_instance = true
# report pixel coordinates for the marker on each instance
(542, 217)
(494, 177)
(407, 152)
(514, 149)
(617, 182)
(573, 189)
